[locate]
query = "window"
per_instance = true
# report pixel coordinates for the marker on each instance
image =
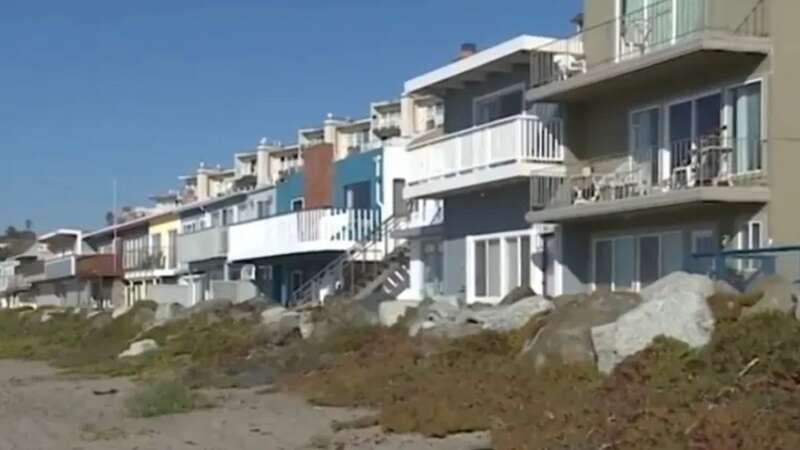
(646, 142)
(703, 243)
(751, 238)
(358, 195)
(497, 105)
(634, 262)
(264, 207)
(499, 263)
(297, 204)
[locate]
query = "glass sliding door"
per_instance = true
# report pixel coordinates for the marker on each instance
(746, 131)
(649, 261)
(645, 145)
(624, 269)
(647, 25)
(603, 262)
(680, 134)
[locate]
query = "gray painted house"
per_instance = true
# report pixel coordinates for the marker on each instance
(493, 140)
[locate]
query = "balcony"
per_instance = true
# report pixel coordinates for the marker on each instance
(202, 245)
(498, 151)
(688, 172)
(150, 261)
(308, 231)
(81, 266)
(664, 39)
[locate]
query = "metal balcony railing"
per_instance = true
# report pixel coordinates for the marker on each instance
(685, 164)
(658, 25)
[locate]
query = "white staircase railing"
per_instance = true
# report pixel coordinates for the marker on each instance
(372, 247)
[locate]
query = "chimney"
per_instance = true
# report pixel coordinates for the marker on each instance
(467, 49)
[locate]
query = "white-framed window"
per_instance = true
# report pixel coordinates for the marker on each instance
(298, 204)
(632, 262)
(751, 237)
(505, 102)
(496, 264)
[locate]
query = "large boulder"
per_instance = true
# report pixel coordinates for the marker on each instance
(517, 294)
(167, 312)
(697, 284)
(281, 324)
(777, 295)
(432, 313)
(566, 337)
(139, 348)
(673, 307)
(390, 312)
(510, 317)
(208, 307)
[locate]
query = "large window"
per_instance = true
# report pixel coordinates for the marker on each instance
(634, 262)
(497, 105)
(498, 264)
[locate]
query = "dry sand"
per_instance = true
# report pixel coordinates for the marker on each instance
(40, 409)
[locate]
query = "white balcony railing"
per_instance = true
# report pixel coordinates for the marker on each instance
(314, 230)
(522, 138)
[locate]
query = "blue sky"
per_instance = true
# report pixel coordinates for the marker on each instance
(141, 92)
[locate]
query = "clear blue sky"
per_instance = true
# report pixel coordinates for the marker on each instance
(92, 90)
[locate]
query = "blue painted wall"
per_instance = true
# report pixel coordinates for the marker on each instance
(356, 169)
(290, 189)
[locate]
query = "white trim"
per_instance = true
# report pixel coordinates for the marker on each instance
(498, 93)
(523, 43)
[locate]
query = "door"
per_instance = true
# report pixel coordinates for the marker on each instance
(747, 127)
(690, 123)
(399, 202)
(645, 145)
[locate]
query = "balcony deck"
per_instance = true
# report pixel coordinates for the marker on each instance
(503, 150)
(82, 266)
(696, 175)
(655, 43)
(308, 231)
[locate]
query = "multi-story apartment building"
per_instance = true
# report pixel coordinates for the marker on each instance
(320, 211)
(75, 274)
(678, 138)
(18, 273)
(479, 166)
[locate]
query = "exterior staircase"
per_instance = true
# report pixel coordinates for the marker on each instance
(377, 263)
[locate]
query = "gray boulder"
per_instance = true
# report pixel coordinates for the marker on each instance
(673, 307)
(517, 294)
(167, 312)
(139, 348)
(207, 307)
(390, 312)
(777, 295)
(510, 317)
(433, 313)
(566, 337)
(700, 285)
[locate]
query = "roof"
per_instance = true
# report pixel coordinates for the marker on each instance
(60, 232)
(523, 43)
(176, 210)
